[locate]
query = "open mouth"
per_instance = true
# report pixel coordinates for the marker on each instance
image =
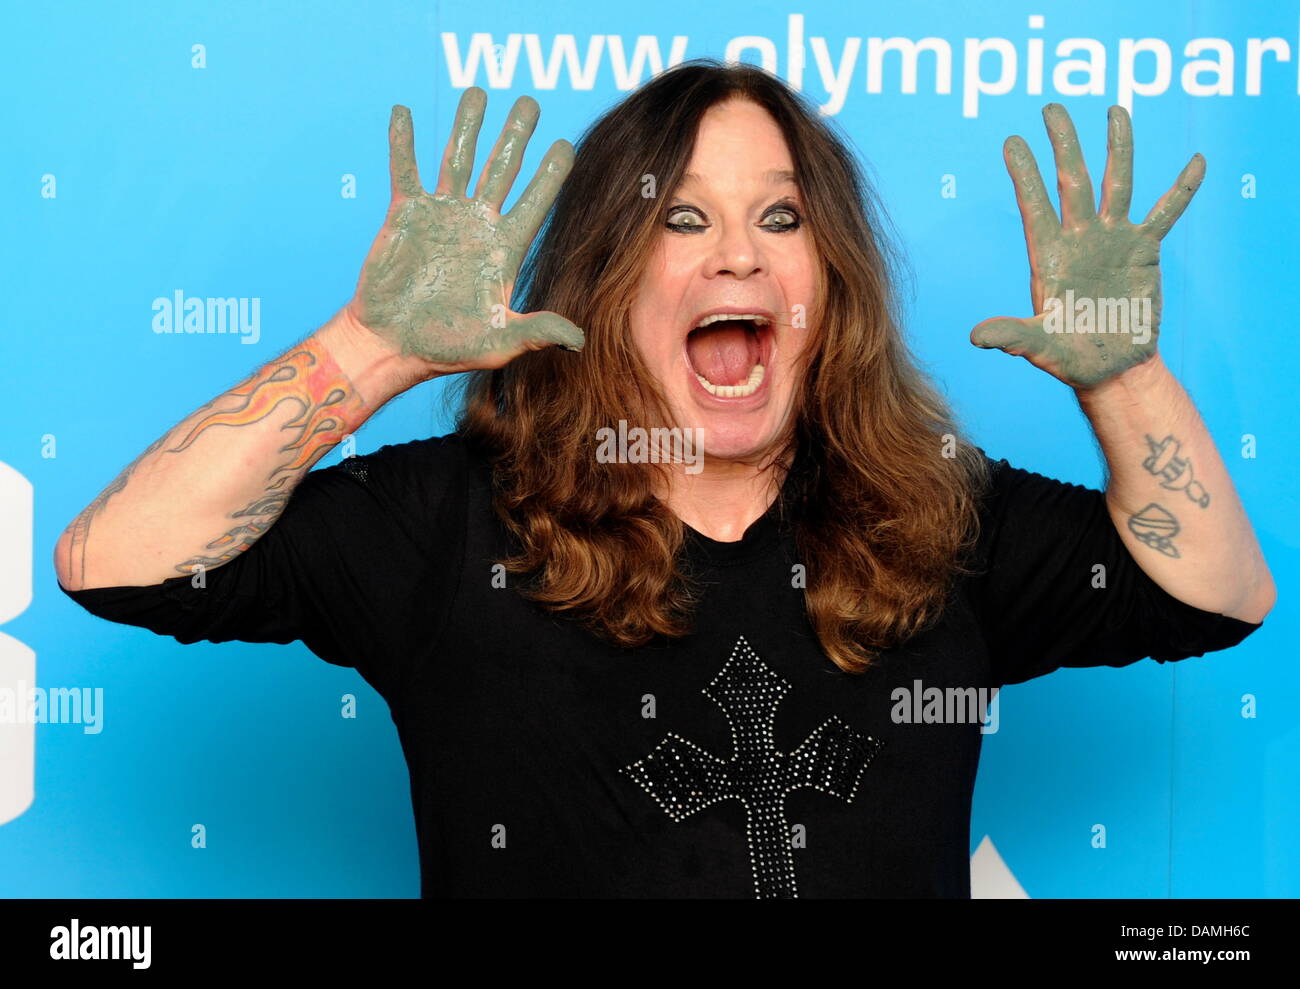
(730, 352)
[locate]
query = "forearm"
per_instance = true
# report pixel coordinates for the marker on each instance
(1171, 497)
(210, 487)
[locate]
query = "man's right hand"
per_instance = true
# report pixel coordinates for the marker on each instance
(439, 276)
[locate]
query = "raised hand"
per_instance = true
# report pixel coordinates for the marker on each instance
(1096, 256)
(438, 279)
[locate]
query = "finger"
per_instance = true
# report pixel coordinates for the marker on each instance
(1117, 184)
(402, 168)
(1005, 333)
(544, 329)
(1072, 179)
(1036, 210)
(458, 157)
(527, 214)
(1166, 212)
(503, 164)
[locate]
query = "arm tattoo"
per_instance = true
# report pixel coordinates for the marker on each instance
(79, 530)
(1156, 527)
(327, 405)
(1175, 472)
(327, 402)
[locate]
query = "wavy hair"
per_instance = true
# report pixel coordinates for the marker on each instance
(884, 489)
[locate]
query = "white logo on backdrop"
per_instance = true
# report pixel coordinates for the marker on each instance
(17, 661)
(990, 878)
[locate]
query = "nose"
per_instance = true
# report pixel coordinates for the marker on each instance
(736, 251)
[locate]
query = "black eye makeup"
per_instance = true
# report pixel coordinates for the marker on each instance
(780, 217)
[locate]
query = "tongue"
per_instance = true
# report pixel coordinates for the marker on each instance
(724, 352)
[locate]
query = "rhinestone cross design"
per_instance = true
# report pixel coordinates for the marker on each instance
(684, 778)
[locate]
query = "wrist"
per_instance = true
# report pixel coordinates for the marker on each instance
(377, 370)
(1128, 387)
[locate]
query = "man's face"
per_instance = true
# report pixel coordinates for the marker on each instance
(734, 243)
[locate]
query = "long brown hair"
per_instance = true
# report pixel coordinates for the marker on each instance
(885, 489)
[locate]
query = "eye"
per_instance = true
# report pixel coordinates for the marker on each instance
(782, 217)
(685, 218)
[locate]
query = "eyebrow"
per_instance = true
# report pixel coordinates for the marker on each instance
(774, 176)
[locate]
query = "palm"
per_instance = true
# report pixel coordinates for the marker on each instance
(439, 277)
(440, 288)
(1102, 270)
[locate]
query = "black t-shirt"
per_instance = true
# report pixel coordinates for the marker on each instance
(738, 761)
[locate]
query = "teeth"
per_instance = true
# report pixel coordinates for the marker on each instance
(735, 391)
(755, 375)
(718, 317)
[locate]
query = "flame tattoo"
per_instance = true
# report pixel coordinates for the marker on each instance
(327, 403)
(328, 408)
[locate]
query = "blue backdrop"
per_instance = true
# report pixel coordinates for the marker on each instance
(240, 150)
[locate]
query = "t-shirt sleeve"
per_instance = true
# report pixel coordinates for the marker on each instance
(359, 565)
(1058, 587)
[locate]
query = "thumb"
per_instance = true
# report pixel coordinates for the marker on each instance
(1002, 333)
(543, 329)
